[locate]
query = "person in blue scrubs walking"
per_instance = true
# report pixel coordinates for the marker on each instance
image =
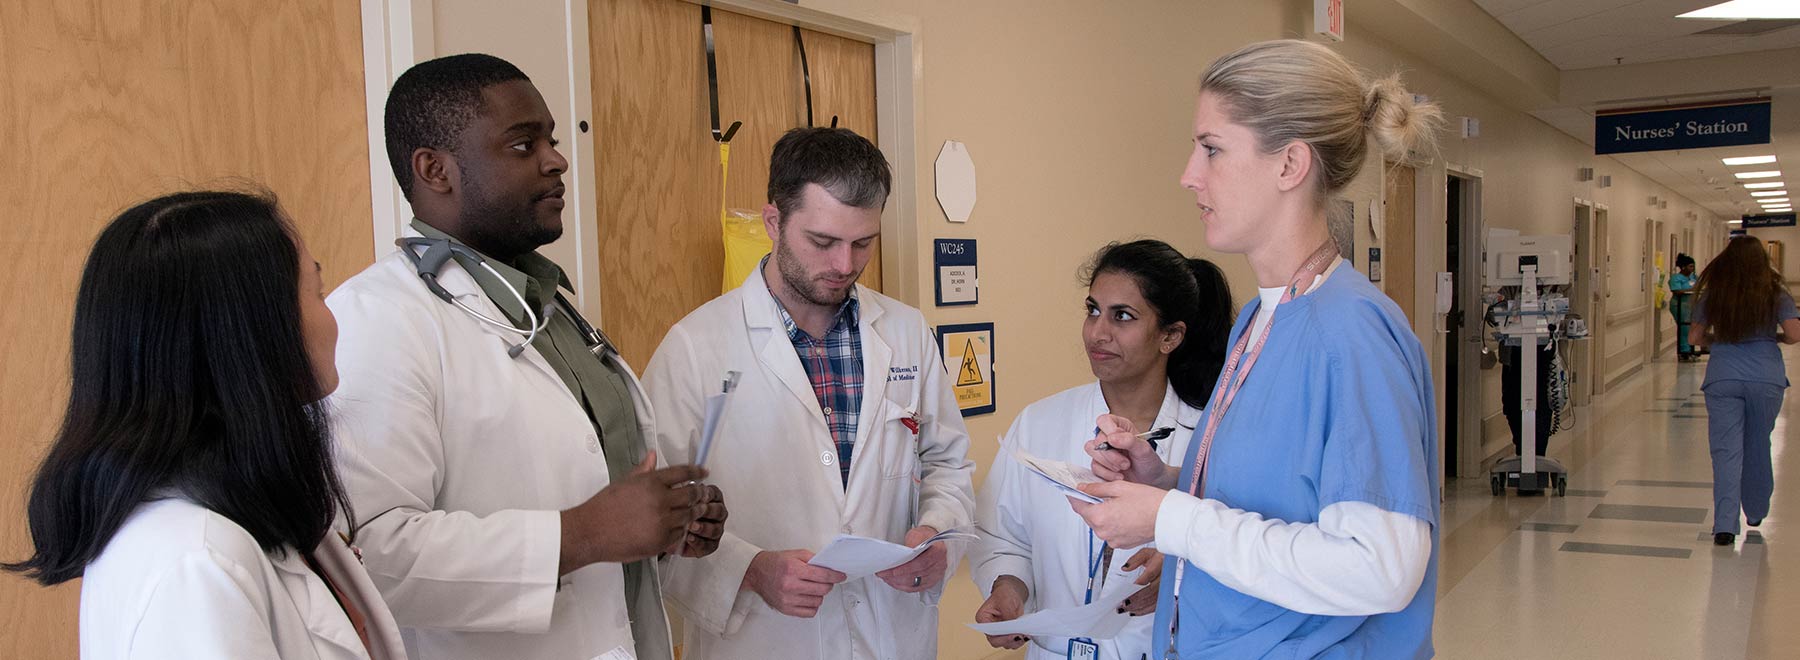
(1681, 305)
(1742, 303)
(1302, 522)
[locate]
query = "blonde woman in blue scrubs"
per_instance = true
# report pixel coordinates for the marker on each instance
(1302, 521)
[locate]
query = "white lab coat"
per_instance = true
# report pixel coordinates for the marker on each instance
(1029, 531)
(777, 464)
(179, 582)
(458, 460)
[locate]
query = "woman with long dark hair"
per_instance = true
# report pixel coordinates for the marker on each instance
(1742, 303)
(1154, 334)
(191, 485)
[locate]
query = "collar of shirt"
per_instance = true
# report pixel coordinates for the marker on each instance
(846, 315)
(531, 275)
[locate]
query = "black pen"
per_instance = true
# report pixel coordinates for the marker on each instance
(1148, 436)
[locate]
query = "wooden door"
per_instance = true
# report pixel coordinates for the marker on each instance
(1398, 277)
(658, 167)
(106, 104)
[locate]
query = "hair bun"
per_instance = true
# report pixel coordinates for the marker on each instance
(1399, 123)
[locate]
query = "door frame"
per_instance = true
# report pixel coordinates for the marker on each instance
(1471, 250)
(400, 33)
(1583, 294)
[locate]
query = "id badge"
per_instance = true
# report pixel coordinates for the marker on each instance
(1081, 649)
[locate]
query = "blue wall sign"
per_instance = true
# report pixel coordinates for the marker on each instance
(1769, 220)
(957, 283)
(1682, 128)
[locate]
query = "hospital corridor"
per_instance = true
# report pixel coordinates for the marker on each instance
(899, 329)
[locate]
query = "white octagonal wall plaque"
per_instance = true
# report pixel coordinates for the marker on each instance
(956, 181)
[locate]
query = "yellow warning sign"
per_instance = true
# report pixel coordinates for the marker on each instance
(969, 350)
(971, 372)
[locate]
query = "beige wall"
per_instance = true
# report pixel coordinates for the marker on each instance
(1077, 117)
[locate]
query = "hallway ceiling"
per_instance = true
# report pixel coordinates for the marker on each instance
(1594, 34)
(1581, 34)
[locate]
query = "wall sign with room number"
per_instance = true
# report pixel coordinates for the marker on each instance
(955, 274)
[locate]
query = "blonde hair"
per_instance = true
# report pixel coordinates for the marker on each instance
(1289, 90)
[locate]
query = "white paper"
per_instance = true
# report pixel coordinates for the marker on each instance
(715, 409)
(861, 556)
(1064, 476)
(1100, 619)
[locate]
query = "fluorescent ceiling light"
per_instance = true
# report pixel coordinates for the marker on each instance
(1748, 160)
(1765, 174)
(1734, 222)
(1768, 193)
(1777, 209)
(1765, 184)
(1776, 201)
(1748, 9)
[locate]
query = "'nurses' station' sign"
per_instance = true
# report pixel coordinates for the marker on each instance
(1769, 220)
(1690, 127)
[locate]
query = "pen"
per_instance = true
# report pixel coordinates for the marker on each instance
(1148, 436)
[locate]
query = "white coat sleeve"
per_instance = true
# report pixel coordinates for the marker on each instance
(706, 590)
(946, 475)
(206, 607)
(1004, 547)
(1358, 560)
(449, 570)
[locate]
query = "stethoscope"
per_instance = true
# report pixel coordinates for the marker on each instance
(438, 251)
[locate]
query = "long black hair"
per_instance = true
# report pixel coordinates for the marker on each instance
(189, 378)
(1180, 289)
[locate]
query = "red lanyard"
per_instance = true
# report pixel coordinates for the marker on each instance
(1237, 365)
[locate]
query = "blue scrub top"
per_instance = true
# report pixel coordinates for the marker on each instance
(1338, 408)
(1679, 283)
(1757, 358)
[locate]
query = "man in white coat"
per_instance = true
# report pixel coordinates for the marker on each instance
(842, 423)
(495, 448)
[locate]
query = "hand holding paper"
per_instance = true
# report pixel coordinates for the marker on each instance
(1065, 477)
(861, 556)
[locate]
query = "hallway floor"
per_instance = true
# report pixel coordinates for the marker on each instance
(1624, 566)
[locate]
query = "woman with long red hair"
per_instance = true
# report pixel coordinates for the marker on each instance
(1742, 303)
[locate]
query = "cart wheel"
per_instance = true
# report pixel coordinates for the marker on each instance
(1497, 483)
(1562, 486)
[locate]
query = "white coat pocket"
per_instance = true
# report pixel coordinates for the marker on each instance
(899, 438)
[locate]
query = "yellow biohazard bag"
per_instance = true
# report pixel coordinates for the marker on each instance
(745, 245)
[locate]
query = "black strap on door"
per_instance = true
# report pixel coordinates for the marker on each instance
(806, 79)
(712, 78)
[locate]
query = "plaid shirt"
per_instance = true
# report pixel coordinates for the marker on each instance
(834, 365)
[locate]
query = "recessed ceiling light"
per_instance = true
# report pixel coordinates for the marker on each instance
(1748, 160)
(1765, 184)
(1765, 174)
(1768, 193)
(1747, 9)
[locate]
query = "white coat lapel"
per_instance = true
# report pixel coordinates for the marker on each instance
(877, 358)
(777, 352)
(325, 618)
